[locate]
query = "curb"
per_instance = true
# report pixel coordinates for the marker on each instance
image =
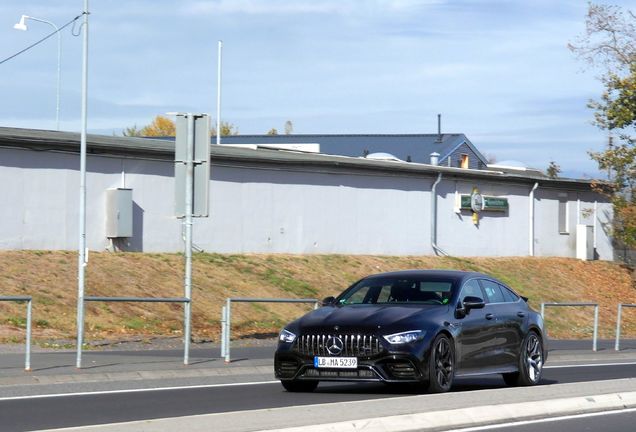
(137, 375)
(478, 416)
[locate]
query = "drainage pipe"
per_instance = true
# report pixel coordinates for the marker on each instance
(436, 249)
(531, 218)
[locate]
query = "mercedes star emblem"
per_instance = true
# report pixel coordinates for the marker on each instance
(334, 345)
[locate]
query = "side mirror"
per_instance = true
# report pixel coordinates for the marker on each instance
(471, 302)
(329, 301)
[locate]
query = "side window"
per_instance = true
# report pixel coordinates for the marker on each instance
(509, 295)
(493, 292)
(471, 288)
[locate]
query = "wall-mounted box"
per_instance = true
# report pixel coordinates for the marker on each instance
(119, 212)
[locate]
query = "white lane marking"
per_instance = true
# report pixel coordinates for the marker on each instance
(138, 390)
(544, 420)
(588, 365)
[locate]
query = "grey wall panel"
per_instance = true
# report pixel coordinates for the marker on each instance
(305, 212)
(266, 209)
(497, 234)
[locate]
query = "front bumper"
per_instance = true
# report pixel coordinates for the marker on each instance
(409, 364)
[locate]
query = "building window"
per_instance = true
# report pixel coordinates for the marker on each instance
(563, 214)
(463, 161)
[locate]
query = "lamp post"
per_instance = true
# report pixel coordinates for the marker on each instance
(21, 25)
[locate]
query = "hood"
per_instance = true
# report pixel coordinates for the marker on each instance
(371, 316)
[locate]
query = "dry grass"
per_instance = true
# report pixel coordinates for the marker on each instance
(51, 278)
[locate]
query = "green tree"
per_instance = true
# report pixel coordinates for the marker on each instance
(553, 170)
(227, 129)
(162, 126)
(272, 131)
(609, 43)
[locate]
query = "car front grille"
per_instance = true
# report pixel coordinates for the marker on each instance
(355, 345)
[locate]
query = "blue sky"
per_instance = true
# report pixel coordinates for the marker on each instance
(498, 70)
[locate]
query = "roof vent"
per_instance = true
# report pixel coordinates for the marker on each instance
(434, 158)
(383, 156)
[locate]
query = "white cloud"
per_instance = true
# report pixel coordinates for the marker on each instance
(262, 7)
(278, 7)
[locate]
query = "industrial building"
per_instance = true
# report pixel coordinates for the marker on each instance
(277, 201)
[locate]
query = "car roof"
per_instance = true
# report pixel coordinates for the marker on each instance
(456, 275)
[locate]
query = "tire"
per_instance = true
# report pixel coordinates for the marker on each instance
(296, 386)
(530, 362)
(441, 365)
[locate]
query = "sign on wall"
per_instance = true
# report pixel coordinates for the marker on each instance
(489, 203)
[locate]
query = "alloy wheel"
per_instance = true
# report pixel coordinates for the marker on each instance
(534, 358)
(443, 363)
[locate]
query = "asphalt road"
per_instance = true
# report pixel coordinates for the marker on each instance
(86, 409)
(610, 421)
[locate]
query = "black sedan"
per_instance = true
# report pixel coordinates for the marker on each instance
(419, 326)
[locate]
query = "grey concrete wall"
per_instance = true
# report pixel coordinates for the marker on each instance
(268, 209)
(496, 234)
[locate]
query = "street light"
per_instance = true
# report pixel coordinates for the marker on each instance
(21, 25)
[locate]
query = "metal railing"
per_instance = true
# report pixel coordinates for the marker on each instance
(29, 301)
(226, 317)
(595, 305)
(617, 345)
(183, 300)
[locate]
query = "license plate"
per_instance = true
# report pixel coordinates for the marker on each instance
(336, 362)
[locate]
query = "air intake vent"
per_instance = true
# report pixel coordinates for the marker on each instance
(354, 345)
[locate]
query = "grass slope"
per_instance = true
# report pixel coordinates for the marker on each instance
(51, 278)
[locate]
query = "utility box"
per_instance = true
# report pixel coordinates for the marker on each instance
(119, 212)
(585, 242)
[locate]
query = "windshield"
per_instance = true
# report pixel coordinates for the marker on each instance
(399, 290)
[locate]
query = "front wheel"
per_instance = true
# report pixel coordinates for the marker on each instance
(530, 362)
(299, 386)
(441, 365)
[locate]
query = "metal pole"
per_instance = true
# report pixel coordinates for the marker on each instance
(228, 324)
(543, 310)
(59, 77)
(27, 361)
(82, 198)
(594, 226)
(617, 345)
(223, 320)
(188, 237)
(595, 328)
(531, 219)
(218, 94)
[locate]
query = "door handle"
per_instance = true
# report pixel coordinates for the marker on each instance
(489, 316)
(521, 314)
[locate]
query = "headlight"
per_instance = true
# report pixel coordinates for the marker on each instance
(286, 336)
(404, 337)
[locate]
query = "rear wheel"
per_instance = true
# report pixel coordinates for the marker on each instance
(299, 386)
(441, 365)
(530, 362)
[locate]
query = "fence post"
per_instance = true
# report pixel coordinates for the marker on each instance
(27, 361)
(595, 328)
(223, 318)
(617, 345)
(228, 325)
